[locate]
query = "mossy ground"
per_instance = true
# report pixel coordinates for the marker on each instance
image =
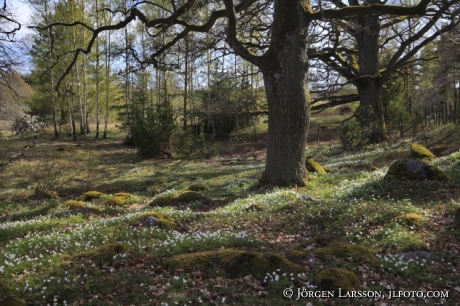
(43, 249)
(233, 263)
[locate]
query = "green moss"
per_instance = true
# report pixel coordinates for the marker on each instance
(198, 187)
(299, 256)
(4, 289)
(160, 201)
(313, 166)
(233, 263)
(123, 195)
(325, 239)
(399, 170)
(165, 220)
(115, 200)
(332, 279)
(338, 249)
(189, 196)
(72, 204)
(104, 253)
(90, 195)
(420, 152)
(257, 207)
(410, 219)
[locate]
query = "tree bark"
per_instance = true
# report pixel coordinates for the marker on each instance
(368, 82)
(285, 69)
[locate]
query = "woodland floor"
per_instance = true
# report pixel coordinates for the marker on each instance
(41, 240)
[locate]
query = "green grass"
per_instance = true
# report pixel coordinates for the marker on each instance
(39, 239)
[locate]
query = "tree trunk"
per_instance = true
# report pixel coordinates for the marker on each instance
(368, 83)
(285, 70)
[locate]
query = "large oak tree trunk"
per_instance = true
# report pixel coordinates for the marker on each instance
(368, 83)
(285, 77)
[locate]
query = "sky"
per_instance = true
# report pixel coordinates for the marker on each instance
(22, 12)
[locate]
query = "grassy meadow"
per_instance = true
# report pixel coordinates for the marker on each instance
(99, 251)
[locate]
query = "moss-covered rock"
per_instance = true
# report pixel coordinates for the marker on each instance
(160, 201)
(299, 256)
(412, 169)
(325, 239)
(257, 207)
(420, 152)
(104, 253)
(72, 204)
(342, 250)
(115, 201)
(8, 297)
(374, 169)
(233, 263)
(411, 219)
(124, 195)
(90, 195)
(189, 196)
(198, 187)
(333, 279)
(163, 219)
(313, 166)
(457, 218)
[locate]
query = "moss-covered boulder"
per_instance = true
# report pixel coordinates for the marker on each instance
(374, 169)
(301, 257)
(104, 253)
(420, 152)
(115, 201)
(90, 195)
(160, 201)
(343, 250)
(333, 279)
(189, 196)
(198, 187)
(323, 240)
(414, 170)
(233, 263)
(313, 166)
(411, 219)
(457, 218)
(163, 219)
(124, 195)
(72, 204)
(8, 297)
(257, 207)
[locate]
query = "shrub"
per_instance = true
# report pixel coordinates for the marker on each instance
(350, 134)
